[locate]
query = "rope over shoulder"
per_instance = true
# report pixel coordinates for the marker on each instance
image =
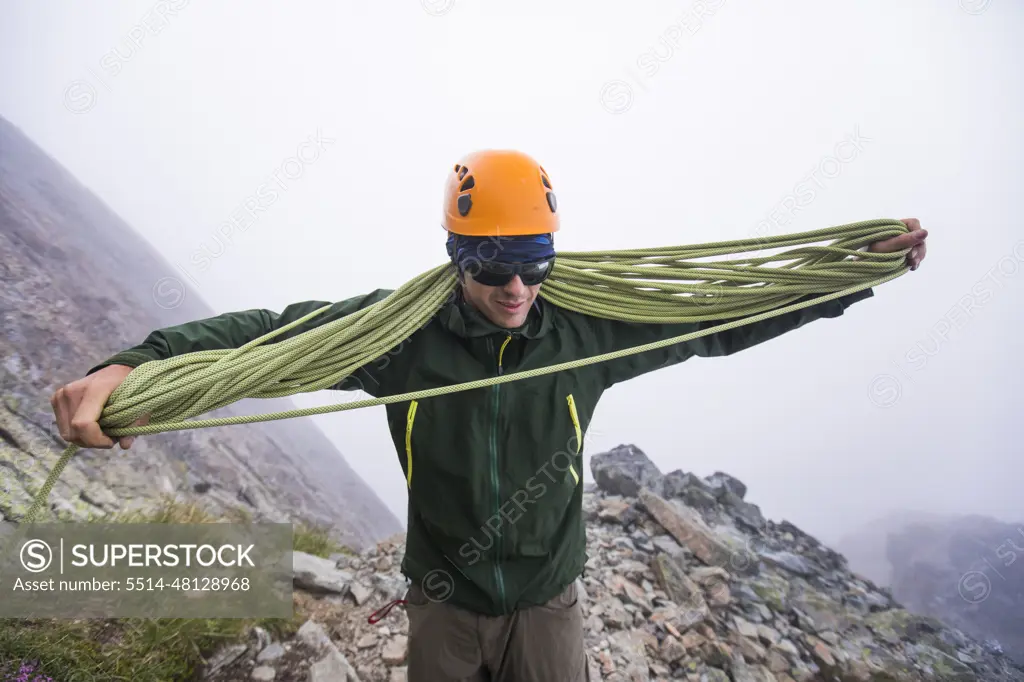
(654, 285)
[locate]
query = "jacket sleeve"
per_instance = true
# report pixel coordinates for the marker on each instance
(617, 335)
(235, 329)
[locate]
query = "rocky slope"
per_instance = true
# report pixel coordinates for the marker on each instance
(969, 572)
(686, 580)
(966, 570)
(76, 285)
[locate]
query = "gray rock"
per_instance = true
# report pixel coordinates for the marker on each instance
(395, 651)
(224, 658)
(313, 635)
(708, 575)
(993, 646)
(720, 482)
(360, 593)
(714, 675)
(259, 638)
(270, 654)
(742, 672)
(581, 592)
(625, 470)
(744, 593)
(666, 545)
(623, 543)
(614, 613)
(317, 574)
(642, 541)
(770, 636)
(333, 667)
(746, 513)
(787, 647)
(629, 647)
(686, 594)
(677, 482)
(671, 650)
(699, 499)
(687, 527)
(790, 562)
(390, 586)
(263, 673)
(616, 510)
(745, 628)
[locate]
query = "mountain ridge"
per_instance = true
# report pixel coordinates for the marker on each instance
(79, 284)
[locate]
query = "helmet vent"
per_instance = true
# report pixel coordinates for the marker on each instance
(544, 179)
(552, 204)
(462, 172)
(468, 183)
(465, 203)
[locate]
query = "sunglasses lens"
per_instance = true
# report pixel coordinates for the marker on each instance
(492, 274)
(500, 274)
(535, 273)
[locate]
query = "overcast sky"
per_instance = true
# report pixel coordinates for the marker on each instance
(660, 123)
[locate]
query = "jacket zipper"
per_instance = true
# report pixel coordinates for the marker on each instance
(410, 418)
(496, 392)
(579, 434)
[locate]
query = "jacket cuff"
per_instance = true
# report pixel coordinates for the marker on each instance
(849, 300)
(837, 307)
(131, 358)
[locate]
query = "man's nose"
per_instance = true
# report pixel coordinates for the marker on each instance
(515, 286)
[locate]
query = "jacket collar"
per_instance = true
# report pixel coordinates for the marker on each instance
(462, 319)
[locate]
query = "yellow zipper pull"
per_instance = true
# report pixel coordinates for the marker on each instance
(502, 351)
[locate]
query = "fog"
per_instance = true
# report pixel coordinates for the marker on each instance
(660, 123)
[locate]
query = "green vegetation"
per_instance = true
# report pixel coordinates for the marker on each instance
(145, 649)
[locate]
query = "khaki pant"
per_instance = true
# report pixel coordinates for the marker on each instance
(537, 644)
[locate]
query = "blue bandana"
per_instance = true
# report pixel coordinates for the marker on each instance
(532, 248)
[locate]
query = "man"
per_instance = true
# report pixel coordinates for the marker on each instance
(496, 537)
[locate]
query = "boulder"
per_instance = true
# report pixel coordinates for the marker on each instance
(687, 527)
(721, 482)
(624, 471)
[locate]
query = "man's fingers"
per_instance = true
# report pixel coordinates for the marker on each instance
(87, 434)
(60, 413)
(126, 441)
(912, 239)
(912, 223)
(917, 255)
(904, 241)
(85, 426)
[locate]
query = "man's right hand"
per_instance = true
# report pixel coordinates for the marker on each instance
(78, 407)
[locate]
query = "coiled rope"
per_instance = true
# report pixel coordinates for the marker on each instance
(656, 285)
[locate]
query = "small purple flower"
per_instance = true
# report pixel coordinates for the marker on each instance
(26, 673)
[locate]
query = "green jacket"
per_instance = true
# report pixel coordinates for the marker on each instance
(495, 475)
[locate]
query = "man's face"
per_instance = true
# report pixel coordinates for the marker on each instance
(506, 306)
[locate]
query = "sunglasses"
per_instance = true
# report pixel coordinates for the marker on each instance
(493, 274)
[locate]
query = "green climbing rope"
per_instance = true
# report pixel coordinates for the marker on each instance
(656, 285)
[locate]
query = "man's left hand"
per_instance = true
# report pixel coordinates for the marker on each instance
(913, 240)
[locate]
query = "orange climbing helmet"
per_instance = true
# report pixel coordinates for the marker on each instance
(501, 193)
